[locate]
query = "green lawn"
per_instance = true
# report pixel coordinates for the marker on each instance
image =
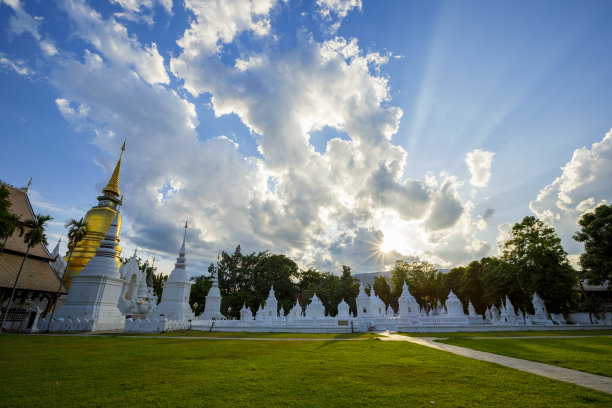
(197, 333)
(549, 333)
(590, 354)
(126, 371)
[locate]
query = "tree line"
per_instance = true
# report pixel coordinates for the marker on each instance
(533, 261)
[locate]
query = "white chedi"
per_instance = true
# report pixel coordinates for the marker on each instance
(175, 296)
(408, 305)
(377, 306)
(270, 310)
(212, 308)
(454, 308)
(94, 293)
(315, 310)
(363, 302)
(343, 310)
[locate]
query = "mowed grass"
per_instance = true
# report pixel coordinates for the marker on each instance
(589, 354)
(198, 333)
(120, 371)
(547, 333)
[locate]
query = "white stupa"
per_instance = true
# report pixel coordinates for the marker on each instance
(92, 300)
(363, 302)
(408, 305)
(212, 308)
(175, 297)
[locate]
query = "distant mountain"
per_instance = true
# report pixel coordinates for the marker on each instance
(368, 277)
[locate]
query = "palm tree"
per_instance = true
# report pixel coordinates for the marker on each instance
(77, 229)
(35, 235)
(9, 222)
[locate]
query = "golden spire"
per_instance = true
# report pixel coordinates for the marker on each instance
(113, 184)
(28, 186)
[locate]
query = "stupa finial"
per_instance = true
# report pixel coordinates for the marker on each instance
(113, 184)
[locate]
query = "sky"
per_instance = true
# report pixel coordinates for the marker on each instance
(336, 132)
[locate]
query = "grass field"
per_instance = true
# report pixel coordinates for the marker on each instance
(590, 354)
(126, 371)
(549, 333)
(197, 333)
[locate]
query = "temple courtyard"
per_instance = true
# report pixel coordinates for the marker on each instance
(276, 369)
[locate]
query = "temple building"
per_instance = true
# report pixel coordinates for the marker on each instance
(39, 281)
(98, 220)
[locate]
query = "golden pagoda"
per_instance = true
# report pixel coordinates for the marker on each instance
(98, 220)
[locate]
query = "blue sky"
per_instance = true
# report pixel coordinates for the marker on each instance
(336, 132)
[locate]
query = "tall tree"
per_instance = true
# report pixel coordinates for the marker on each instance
(596, 234)
(538, 264)
(34, 235)
(349, 288)
(77, 229)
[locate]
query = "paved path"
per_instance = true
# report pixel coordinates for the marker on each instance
(596, 382)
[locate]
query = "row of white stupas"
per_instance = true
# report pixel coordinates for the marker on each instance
(104, 297)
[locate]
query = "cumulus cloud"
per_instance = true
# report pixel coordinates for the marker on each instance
(112, 40)
(322, 209)
(479, 165)
(337, 8)
(584, 184)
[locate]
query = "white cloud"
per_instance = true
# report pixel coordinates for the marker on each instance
(321, 209)
(17, 65)
(114, 42)
(141, 10)
(337, 8)
(584, 184)
(21, 22)
(48, 48)
(479, 165)
(217, 22)
(72, 114)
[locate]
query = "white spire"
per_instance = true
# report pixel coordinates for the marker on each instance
(56, 249)
(180, 261)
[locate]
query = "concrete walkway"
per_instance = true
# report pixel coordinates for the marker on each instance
(596, 382)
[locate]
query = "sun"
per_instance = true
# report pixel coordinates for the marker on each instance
(387, 246)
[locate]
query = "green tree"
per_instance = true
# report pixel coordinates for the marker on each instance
(247, 279)
(199, 289)
(77, 229)
(9, 222)
(596, 234)
(471, 287)
(349, 288)
(383, 290)
(422, 280)
(329, 288)
(34, 235)
(496, 280)
(538, 263)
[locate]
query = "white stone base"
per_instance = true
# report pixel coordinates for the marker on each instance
(91, 306)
